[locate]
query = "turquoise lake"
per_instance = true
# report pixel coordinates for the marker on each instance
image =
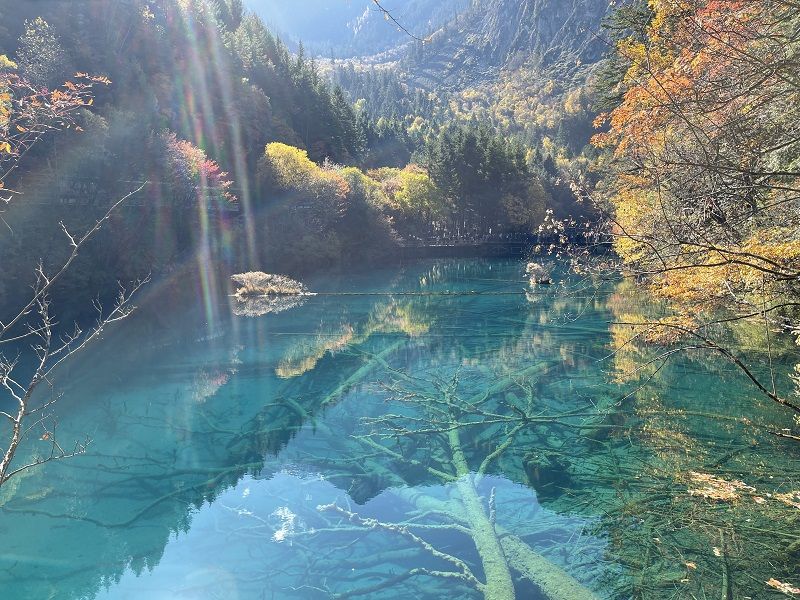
(422, 431)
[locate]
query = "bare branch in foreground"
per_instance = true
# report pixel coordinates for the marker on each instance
(47, 350)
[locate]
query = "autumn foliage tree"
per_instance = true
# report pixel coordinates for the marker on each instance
(702, 193)
(192, 176)
(28, 112)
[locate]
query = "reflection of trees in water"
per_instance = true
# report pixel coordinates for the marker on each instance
(692, 477)
(258, 306)
(156, 461)
(442, 433)
(437, 432)
(456, 432)
(209, 380)
(386, 318)
(304, 356)
(160, 461)
(624, 465)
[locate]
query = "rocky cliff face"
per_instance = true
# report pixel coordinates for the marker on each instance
(558, 35)
(548, 29)
(468, 34)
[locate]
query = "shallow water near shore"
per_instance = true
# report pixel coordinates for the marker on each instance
(392, 436)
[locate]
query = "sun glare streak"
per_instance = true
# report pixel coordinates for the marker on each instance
(202, 120)
(236, 154)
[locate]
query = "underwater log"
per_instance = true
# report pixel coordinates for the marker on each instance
(553, 581)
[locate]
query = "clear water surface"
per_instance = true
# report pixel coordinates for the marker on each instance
(432, 431)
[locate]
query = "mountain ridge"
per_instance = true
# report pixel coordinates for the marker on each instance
(354, 28)
(492, 36)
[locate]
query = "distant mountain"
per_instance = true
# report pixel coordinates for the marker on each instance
(347, 28)
(319, 24)
(494, 35)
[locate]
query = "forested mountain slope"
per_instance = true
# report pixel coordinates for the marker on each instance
(528, 67)
(197, 89)
(555, 35)
(525, 67)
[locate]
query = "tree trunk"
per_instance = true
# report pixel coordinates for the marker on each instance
(499, 584)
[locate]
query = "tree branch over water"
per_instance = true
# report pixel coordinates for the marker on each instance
(32, 345)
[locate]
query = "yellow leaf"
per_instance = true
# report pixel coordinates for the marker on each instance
(786, 588)
(20, 128)
(5, 147)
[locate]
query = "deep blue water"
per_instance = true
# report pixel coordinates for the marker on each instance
(310, 453)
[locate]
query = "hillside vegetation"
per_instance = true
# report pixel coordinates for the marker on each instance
(195, 92)
(703, 172)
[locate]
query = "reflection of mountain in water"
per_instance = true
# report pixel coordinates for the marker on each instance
(190, 413)
(185, 418)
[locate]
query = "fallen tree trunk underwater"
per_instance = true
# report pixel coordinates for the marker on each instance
(553, 581)
(501, 553)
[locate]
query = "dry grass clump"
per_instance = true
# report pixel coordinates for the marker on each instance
(261, 293)
(256, 283)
